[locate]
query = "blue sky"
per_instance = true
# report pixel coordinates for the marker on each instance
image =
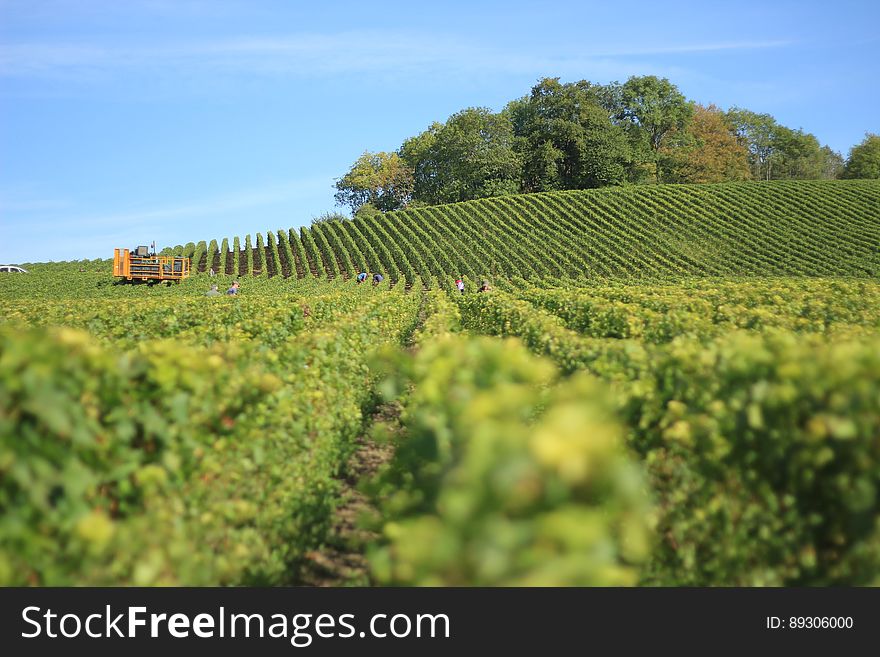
(127, 121)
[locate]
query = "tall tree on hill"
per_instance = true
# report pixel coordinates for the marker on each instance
(470, 156)
(566, 138)
(802, 157)
(651, 109)
(780, 153)
(757, 132)
(382, 179)
(708, 152)
(864, 159)
(418, 154)
(832, 163)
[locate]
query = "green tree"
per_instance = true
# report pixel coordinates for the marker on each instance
(418, 153)
(652, 109)
(780, 153)
(864, 159)
(381, 179)
(832, 163)
(758, 132)
(326, 217)
(566, 138)
(470, 156)
(801, 157)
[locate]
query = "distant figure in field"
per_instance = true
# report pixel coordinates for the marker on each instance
(213, 292)
(460, 285)
(362, 277)
(378, 278)
(211, 272)
(485, 287)
(234, 289)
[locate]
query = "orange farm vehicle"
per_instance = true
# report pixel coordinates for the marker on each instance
(141, 265)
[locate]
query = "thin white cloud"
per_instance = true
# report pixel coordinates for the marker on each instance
(701, 48)
(238, 201)
(321, 54)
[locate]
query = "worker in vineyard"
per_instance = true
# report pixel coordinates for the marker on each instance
(484, 286)
(378, 278)
(460, 285)
(213, 292)
(233, 290)
(362, 277)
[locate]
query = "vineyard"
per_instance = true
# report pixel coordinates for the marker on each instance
(805, 228)
(669, 385)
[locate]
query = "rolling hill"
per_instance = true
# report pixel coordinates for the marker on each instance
(809, 228)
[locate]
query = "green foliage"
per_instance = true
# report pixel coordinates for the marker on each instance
(777, 152)
(763, 446)
(328, 217)
(864, 159)
(236, 256)
(383, 180)
(651, 109)
(184, 424)
(753, 405)
(566, 139)
(579, 136)
(498, 483)
(470, 156)
(260, 257)
(367, 211)
(248, 256)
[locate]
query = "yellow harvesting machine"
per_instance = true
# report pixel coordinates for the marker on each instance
(141, 265)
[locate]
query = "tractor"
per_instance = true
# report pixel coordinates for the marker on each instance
(143, 265)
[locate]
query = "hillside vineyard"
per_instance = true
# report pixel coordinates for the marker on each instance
(812, 228)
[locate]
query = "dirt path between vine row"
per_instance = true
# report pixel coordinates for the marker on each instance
(342, 560)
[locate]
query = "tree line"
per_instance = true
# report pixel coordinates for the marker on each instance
(581, 135)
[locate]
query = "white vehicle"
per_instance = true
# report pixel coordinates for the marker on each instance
(12, 269)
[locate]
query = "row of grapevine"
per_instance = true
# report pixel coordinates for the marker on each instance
(273, 258)
(311, 253)
(225, 258)
(286, 264)
(354, 258)
(332, 260)
(236, 256)
(212, 258)
(299, 254)
(706, 308)
(494, 485)
(139, 468)
(362, 245)
(342, 255)
(756, 441)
